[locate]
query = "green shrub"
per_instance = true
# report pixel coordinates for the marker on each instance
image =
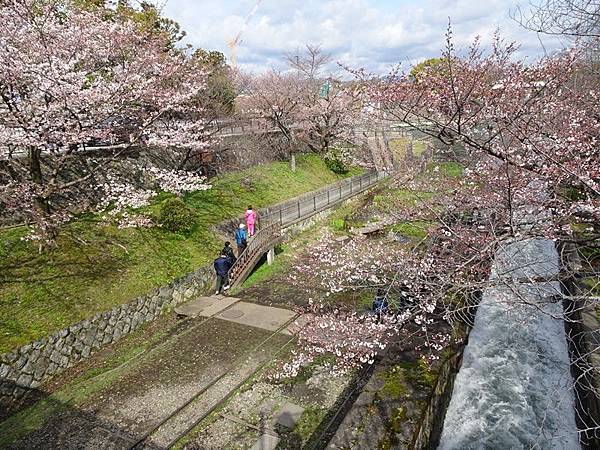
(336, 160)
(336, 166)
(174, 215)
(338, 224)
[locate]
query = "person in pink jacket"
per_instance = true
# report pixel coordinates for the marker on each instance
(250, 220)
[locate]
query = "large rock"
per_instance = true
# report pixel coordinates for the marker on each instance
(51, 368)
(28, 368)
(178, 297)
(25, 349)
(40, 371)
(55, 357)
(25, 380)
(165, 292)
(288, 415)
(89, 338)
(10, 357)
(4, 370)
(20, 362)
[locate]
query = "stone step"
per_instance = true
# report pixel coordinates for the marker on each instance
(205, 306)
(259, 316)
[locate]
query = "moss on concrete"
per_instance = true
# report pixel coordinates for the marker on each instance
(394, 382)
(415, 229)
(309, 421)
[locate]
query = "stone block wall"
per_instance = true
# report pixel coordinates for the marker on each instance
(429, 430)
(30, 365)
(298, 227)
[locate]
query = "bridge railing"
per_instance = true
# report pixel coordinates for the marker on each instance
(273, 219)
(292, 211)
(256, 247)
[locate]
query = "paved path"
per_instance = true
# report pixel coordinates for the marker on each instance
(192, 374)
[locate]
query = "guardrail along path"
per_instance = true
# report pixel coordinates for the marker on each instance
(273, 219)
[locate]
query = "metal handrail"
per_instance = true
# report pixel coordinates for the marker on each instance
(272, 223)
(291, 212)
(255, 246)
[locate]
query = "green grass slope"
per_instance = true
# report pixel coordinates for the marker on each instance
(95, 267)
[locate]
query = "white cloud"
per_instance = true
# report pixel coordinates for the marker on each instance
(369, 33)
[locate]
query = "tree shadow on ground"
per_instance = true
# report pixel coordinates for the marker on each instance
(67, 427)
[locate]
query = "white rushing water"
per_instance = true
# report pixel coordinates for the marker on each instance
(514, 388)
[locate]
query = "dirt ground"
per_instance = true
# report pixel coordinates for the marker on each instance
(140, 395)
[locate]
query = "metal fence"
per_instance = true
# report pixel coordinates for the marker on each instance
(292, 211)
(257, 245)
(272, 219)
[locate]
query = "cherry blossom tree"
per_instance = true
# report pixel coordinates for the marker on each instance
(329, 109)
(72, 75)
(308, 107)
(530, 133)
(535, 120)
(276, 97)
(575, 18)
(331, 116)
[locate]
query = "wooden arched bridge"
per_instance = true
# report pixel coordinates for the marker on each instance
(276, 218)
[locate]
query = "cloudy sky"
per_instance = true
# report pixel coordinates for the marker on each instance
(374, 34)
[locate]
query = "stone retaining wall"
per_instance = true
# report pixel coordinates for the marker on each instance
(430, 426)
(29, 366)
(583, 329)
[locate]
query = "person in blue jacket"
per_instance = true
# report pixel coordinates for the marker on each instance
(380, 304)
(241, 238)
(222, 265)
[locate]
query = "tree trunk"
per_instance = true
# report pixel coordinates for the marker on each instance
(35, 171)
(293, 162)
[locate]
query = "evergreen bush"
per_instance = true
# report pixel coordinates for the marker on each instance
(174, 215)
(336, 160)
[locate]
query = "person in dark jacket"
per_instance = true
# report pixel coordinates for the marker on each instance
(222, 266)
(228, 251)
(380, 304)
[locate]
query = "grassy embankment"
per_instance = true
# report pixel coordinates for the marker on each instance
(95, 267)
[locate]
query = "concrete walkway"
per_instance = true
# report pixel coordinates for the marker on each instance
(230, 341)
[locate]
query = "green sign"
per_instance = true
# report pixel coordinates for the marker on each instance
(325, 90)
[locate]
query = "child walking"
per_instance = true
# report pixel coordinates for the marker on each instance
(250, 220)
(241, 239)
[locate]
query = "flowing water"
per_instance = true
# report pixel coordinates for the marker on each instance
(514, 388)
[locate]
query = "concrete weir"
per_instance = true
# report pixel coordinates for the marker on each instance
(514, 388)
